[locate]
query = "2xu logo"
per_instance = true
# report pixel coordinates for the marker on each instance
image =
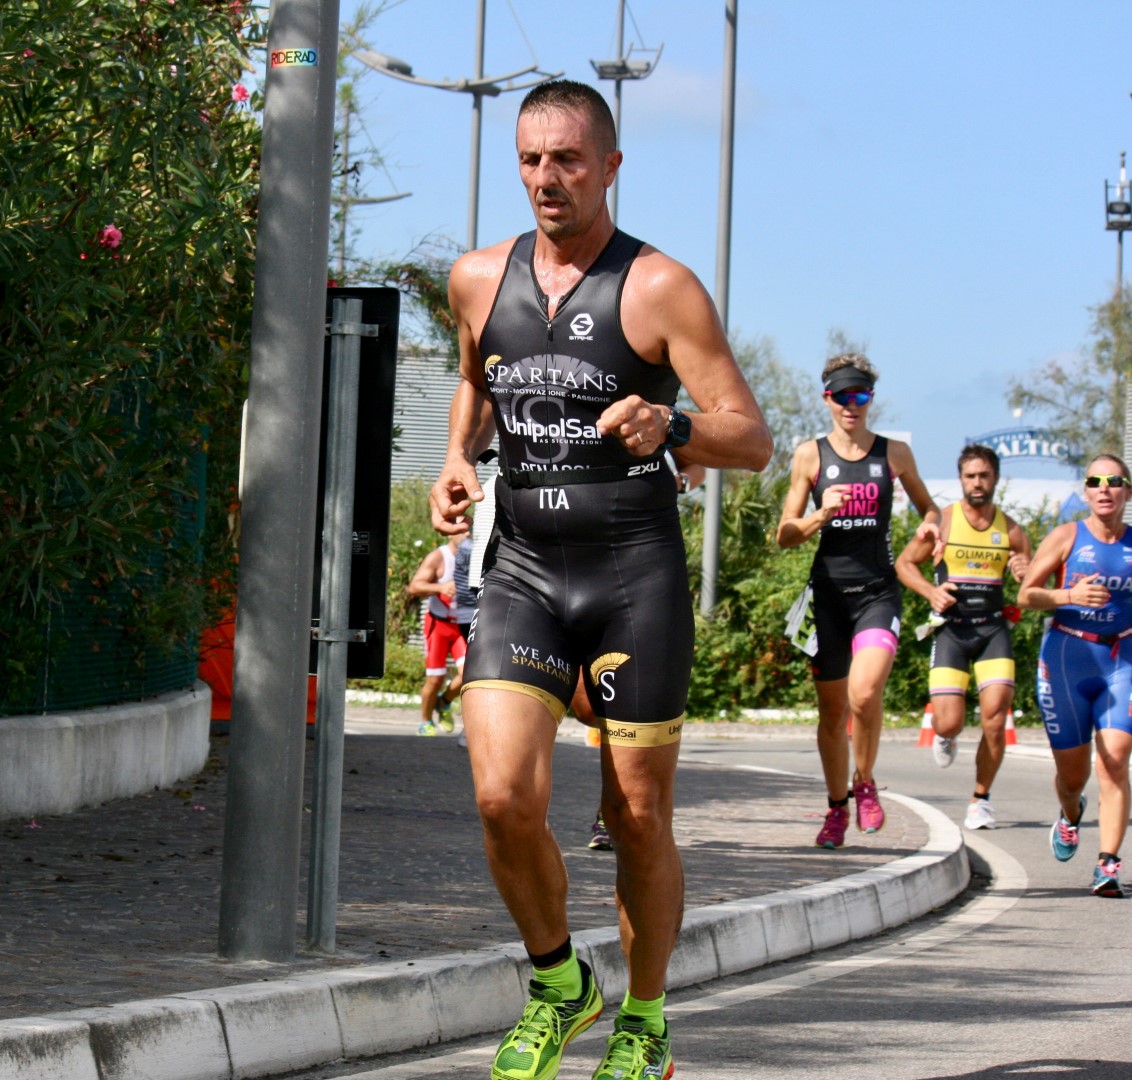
(294, 58)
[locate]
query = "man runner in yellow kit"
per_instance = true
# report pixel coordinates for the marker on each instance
(574, 339)
(979, 545)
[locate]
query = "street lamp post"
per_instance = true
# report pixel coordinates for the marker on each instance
(478, 86)
(713, 481)
(618, 70)
(1118, 219)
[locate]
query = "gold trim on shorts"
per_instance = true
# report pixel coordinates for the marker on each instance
(999, 670)
(556, 708)
(623, 733)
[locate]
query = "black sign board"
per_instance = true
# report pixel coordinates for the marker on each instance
(369, 567)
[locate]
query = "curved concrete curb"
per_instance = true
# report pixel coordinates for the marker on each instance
(59, 762)
(259, 1029)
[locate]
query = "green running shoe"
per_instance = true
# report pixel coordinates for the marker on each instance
(532, 1049)
(444, 715)
(634, 1053)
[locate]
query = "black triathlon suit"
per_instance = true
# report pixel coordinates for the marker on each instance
(854, 576)
(586, 565)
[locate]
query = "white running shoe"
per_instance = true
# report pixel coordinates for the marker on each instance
(944, 750)
(980, 815)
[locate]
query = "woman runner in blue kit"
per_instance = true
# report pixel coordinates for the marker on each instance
(850, 474)
(1085, 664)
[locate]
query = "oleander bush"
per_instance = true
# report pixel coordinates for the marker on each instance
(128, 183)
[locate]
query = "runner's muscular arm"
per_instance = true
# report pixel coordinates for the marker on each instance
(795, 526)
(1051, 555)
(425, 582)
(917, 552)
(668, 318)
(1021, 551)
(471, 289)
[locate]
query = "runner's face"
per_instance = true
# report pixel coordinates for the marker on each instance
(563, 170)
(978, 481)
(1104, 501)
(849, 417)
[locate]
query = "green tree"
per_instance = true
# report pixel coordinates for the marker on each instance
(127, 209)
(1082, 399)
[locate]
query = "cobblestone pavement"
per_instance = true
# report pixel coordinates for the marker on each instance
(120, 902)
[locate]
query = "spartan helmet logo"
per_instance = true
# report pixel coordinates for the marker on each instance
(602, 671)
(582, 324)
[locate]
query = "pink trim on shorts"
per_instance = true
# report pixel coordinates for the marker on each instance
(875, 638)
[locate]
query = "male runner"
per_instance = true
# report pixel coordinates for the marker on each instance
(436, 579)
(574, 339)
(978, 544)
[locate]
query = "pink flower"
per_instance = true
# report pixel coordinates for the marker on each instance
(110, 236)
(240, 93)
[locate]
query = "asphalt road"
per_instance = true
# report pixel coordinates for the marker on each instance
(1026, 976)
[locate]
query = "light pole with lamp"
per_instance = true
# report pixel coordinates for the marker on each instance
(478, 86)
(618, 70)
(1118, 219)
(713, 480)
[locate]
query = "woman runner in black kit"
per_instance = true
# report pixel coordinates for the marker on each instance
(850, 474)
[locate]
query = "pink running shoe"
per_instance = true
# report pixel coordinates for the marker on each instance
(870, 814)
(832, 833)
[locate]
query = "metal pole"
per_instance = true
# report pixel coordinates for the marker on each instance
(334, 622)
(713, 483)
(1118, 334)
(262, 824)
(344, 220)
(477, 128)
(615, 186)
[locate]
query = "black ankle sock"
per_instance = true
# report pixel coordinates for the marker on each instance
(555, 956)
(835, 803)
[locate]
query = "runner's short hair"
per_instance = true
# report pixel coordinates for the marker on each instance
(973, 451)
(1106, 456)
(849, 359)
(579, 96)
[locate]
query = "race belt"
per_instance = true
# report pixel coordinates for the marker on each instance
(1097, 639)
(599, 474)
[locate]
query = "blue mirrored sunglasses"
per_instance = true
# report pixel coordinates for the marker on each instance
(850, 397)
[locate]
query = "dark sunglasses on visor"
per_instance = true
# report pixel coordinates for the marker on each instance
(1108, 481)
(850, 397)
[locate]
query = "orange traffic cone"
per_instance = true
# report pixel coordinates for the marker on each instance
(1011, 734)
(927, 732)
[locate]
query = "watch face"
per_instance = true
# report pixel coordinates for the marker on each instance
(679, 428)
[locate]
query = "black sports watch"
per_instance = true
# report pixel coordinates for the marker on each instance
(679, 429)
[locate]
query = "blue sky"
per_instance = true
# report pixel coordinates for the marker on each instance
(926, 175)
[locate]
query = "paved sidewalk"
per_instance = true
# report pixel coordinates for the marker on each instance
(119, 903)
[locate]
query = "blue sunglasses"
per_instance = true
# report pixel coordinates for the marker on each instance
(850, 397)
